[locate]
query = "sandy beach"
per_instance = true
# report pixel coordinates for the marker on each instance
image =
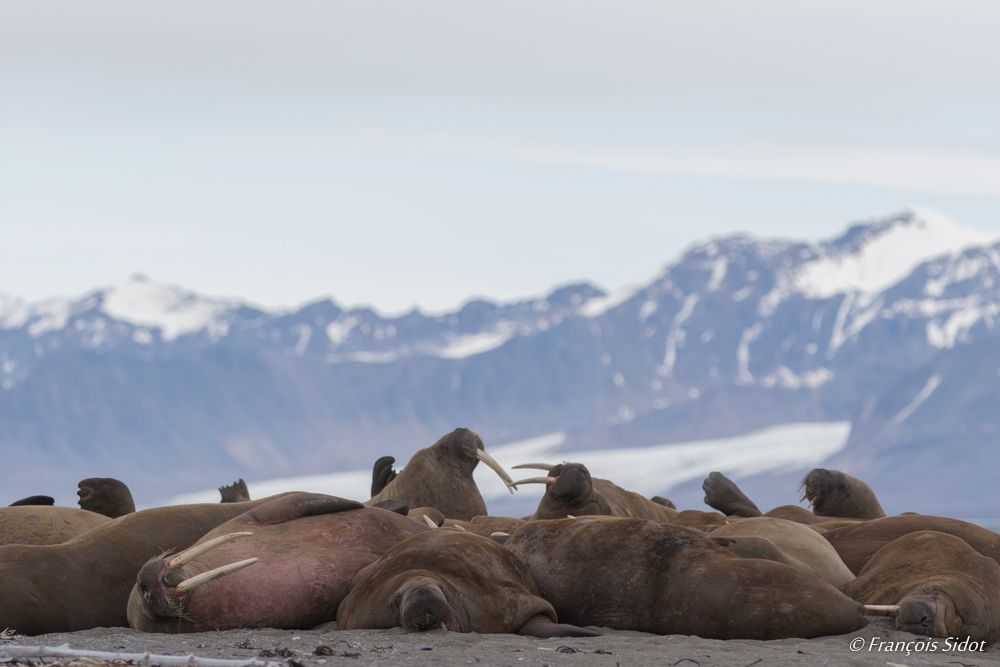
(325, 646)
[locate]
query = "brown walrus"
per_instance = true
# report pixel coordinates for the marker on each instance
(571, 491)
(34, 501)
(856, 544)
(85, 582)
(305, 550)
(632, 574)
(440, 476)
(943, 587)
(832, 493)
(453, 581)
(106, 496)
(41, 524)
(804, 548)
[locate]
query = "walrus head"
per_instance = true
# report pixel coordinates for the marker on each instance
(925, 615)
(165, 587)
(106, 496)
(423, 605)
(569, 489)
(833, 493)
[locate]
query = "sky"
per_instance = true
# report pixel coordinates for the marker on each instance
(400, 154)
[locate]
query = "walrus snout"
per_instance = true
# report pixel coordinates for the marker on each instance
(423, 606)
(922, 616)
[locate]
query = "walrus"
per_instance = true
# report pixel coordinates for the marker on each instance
(836, 494)
(942, 586)
(34, 501)
(236, 492)
(85, 582)
(454, 581)
(302, 552)
(857, 543)
(633, 574)
(572, 491)
(440, 476)
(723, 495)
(106, 496)
(42, 524)
(804, 548)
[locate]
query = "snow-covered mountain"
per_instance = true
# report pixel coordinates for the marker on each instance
(174, 391)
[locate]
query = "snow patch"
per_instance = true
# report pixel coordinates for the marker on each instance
(170, 309)
(338, 331)
(924, 394)
(677, 335)
(719, 267)
(460, 347)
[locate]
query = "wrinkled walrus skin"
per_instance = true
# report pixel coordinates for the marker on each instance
(832, 493)
(944, 587)
(454, 581)
(85, 582)
(440, 476)
(45, 524)
(631, 574)
(805, 548)
(856, 544)
(106, 496)
(310, 548)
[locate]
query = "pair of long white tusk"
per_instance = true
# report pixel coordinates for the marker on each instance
(535, 466)
(891, 608)
(492, 462)
(535, 480)
(185, 557)
(212, 575)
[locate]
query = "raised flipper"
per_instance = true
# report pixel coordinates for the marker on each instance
(236, 492)
(34, 500)
(298, 505)
(106, 496)
(397, 506)
(541, 626)
(382, 474)
(723, 495)
(666, 502)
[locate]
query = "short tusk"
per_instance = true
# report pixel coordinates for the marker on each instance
(535, 466)
(185, 557)
(535, 480)
(430, 522)
(460, 528)
(492, 462)
(212, 575)
(891, 608)
(570, 516)
(499, 534)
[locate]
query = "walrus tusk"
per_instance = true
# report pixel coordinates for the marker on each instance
(535, 466)
(460, 528)
(570, 516)
(499, 534)
(430, 522)
(212, 575)
(535, 480)
(492, 462)
(891, 608)
(185, 557)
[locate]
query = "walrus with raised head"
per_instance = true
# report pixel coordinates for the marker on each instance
(440, 476)
(85, 582)
(857, 543)
(106, 496)
(940, 585)
(454, 581)
(633, 574)
(571, 491)
(802, 547)
(301, 553)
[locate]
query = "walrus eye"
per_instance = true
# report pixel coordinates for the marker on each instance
(399, 598)
(145, 593)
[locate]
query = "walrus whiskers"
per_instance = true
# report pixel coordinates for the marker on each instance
(185, 557)
(212, 575)
(492, 462)
(535, 466)
(536, 480)
(429, 521)
(891, 608)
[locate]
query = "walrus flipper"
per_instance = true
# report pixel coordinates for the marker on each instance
(236, 492)
(34, 500)
(541, 626)
(298, 505)
(723, 495)
(382, 474)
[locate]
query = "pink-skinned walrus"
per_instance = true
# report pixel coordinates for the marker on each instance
(286, 564)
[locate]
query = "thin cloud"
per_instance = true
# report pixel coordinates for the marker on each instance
(931, 170)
